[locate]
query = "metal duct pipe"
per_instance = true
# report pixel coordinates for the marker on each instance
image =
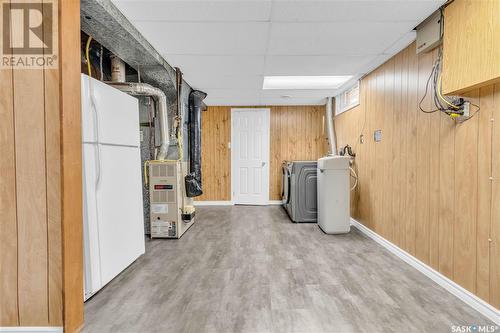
(144, 89)
(332, 142)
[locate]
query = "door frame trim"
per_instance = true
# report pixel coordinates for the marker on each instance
(268, 161)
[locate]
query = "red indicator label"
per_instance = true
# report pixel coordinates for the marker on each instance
(164, 187)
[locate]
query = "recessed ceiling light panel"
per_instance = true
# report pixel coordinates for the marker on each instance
(304, 82)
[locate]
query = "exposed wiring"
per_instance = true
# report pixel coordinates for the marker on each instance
(180, 145)
(460, 121)
(97, 151)
(150, 126)
(178, 128)
(101, 57)
(347, 150)
(453, 107)
(87, 57)
(96, 115)
(355, 176)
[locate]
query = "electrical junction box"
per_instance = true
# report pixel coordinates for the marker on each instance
(172, 212)
(429, 33)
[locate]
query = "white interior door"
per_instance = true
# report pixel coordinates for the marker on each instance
(250, 156)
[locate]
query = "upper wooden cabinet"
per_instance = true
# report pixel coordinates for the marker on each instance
(471, 45)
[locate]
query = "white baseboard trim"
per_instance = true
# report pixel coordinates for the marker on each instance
(213, 203)
(466, 296)
(230, 203)
(29, 329)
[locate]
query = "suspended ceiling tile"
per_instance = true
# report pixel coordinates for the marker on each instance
(232, 97)
(316, 65)
(225, 47)
(226, 82)
(213, 65)
(353, 10)
(207, 38)
(293, 101)
(329, 38)
(192, 11)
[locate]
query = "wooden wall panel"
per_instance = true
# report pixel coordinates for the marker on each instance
(395, 158)
(216, 157)
(484, 166)
(71, 163)
(448, 212)
(446, 195)
(31, 189)
(8, 212)
(411, 147)
(495, 220)
(33, 130)
(297, 133)
(53, 176)
(422, 202)
(403, 151)
(470, 45)
(464, 246)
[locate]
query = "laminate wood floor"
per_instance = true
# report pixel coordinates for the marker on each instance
(249, 269)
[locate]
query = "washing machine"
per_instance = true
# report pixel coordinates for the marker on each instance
(299, 190)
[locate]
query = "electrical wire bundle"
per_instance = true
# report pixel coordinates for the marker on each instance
(453, 107)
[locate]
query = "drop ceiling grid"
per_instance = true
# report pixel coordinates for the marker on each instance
(226, 47)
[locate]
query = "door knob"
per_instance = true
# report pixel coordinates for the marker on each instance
(263, 164)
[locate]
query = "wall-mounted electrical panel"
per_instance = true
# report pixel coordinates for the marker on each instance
(429, 33)
(172, 212)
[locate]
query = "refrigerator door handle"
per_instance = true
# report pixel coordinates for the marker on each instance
(96, 134)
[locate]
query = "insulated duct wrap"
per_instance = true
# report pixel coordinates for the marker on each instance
(193, 179)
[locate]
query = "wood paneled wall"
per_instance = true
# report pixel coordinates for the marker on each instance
(40, 173)
(426, 186)
(470, 46)
(215, 153)
(297, 133)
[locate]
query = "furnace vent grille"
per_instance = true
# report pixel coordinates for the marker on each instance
(163, 170)
(163, 197)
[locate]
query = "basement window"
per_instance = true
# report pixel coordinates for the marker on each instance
(348, 99)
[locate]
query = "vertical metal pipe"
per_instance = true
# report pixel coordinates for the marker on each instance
(332, 142)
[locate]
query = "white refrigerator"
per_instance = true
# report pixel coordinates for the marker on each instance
(112, 185)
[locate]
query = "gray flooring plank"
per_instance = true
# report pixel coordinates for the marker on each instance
(249, 269)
